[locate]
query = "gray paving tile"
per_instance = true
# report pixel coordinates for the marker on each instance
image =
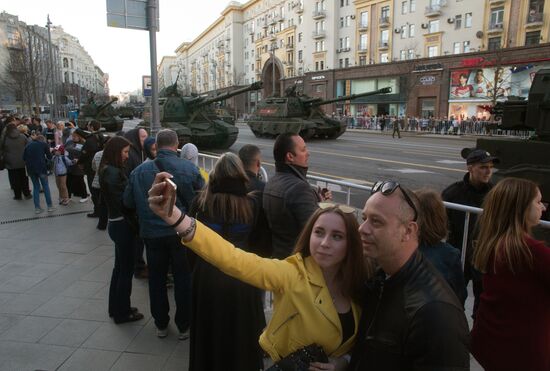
(92, 310)
(27, 356)
(9, 320)
(30, 329)
(20, 284)
(7, 297)
(176, 363)
(24, 303)
(71, 332)
(58, 281)
(48, 256)
(101, 273)
(147, 341)
(43, 270)
(106, 249)
(90, 360)
(91, 260)
(79, 247)
(139, 362)
(16, 268)
(112, 337)
(83, 289)
(59, 307)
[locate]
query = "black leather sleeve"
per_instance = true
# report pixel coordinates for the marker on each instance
(438, 339)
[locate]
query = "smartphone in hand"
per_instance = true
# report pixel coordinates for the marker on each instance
(170, 194)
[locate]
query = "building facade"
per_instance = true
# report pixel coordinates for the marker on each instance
(28, 83)
(167, 72)
(337, 47)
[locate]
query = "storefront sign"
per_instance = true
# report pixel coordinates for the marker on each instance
(320, 77)
(427, 80)
(472, 62)
(428, 67)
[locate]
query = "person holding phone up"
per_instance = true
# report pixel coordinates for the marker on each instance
(316, 290)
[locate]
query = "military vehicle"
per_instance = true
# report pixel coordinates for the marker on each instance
(194, 121)
(525, 158)
(126, 112)
(104, 113)
(300, 114)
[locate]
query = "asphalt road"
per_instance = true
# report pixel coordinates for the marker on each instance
(363, 157)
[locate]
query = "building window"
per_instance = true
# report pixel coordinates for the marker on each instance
(456, 48)
(65, 63)
(316, 66)
(466, 46)
(403, 32)
(403, 55)
(347, 62)
(468, 20)
(385, 36)
(404, 7)
(433, 51)
(300, 55)
(532, 38)
(322, 65)
(300, 36)
(410, 52)
(363, 42)
(362, 60)
(412, 6)
(384, 58)
(385, 12)
(433, 26)
(411, 30)
(341, 22)
(364, 20)
(341, 63)
(458, 22)
(497, 17)
(494, 43)
(300, 19)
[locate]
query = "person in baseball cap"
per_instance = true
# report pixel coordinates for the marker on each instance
(470, 191)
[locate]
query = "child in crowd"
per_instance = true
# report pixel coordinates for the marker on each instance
(60, 165)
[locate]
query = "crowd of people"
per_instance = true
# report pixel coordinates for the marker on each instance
(383, 293)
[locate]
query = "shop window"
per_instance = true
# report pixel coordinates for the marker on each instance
(427, 107)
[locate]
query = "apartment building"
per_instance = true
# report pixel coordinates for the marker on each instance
(167, 71)
(334, 47)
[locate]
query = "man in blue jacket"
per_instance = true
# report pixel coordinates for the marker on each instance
(163, 246)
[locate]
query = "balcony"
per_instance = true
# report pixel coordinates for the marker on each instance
(289, 46)
(343, 50)
(384, 22)
(534, 20)
(319, 14)
(435, 10)
(299, 10)
(495, 28)
(383, 45)
(363, 27)
(258, 58)
(496, 2)
(321, 34)
(362, 49)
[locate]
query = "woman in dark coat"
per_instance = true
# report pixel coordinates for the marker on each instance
(13, 145)
(75, 174)
(113, 180)
(226, 339)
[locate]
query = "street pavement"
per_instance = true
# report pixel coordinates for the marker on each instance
(54, 278)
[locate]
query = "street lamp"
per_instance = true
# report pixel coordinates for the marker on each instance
(273, 48)
(53, 108)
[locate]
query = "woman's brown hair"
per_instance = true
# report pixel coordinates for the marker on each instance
(503, 227)
(227, 206)
(354, 269)
(433, 223)
(112, 153)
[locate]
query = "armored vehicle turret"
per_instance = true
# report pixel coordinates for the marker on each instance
(299, 114)
(193, 119)
(104, 113)
(126, 112)
(525, 158)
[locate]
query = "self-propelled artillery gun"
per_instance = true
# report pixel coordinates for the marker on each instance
(300, 114)
(104, 113)
(195, 121)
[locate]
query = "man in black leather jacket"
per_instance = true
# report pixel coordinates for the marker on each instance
(289, 200)
(411, 318)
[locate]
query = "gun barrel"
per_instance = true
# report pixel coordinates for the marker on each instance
(350, 97)
(105, 105)
(254, 86)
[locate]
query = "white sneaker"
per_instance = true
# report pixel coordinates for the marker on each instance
(38, 211)
(183, 335)
(50, 209)
(162, 333)
(82, 200)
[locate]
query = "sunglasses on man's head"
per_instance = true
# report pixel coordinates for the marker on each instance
(387, 187)
(344, 208)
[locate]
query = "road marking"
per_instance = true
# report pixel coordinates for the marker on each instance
(411, 171)
(390, 161)
(450, 162)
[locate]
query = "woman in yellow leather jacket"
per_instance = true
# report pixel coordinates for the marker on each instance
(316, 290)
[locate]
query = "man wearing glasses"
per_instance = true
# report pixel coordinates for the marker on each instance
(411, 318)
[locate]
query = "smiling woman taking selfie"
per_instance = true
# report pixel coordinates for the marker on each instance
(315, 291)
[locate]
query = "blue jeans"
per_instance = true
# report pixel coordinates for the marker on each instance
(162, 253)
(38, 179)
(120, 289)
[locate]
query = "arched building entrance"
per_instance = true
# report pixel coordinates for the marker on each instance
(271, 77)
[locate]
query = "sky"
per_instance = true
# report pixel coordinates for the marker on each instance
(122, 53)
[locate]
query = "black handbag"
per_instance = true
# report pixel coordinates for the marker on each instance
(300, 359)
